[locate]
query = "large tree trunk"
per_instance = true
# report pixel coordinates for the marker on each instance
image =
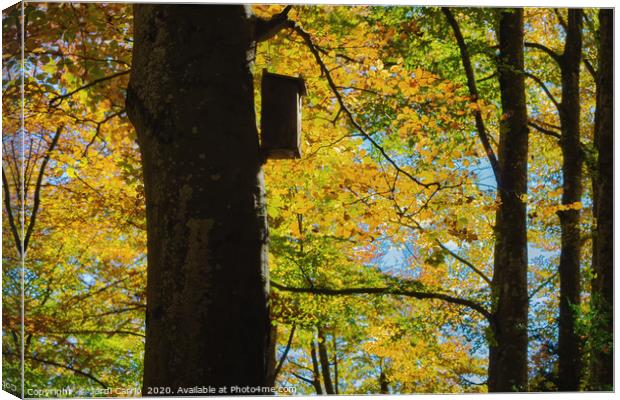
(190, 98)
(569, 344)
(602, 286)
(508, 346)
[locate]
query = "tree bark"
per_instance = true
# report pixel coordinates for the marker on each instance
(602, 285)
(569, 344)
(508, 346)
(190, 98)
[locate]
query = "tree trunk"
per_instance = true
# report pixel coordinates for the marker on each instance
(324, 360)
(190, 98)
(384, 385)
(336, 385)
(508, 346)
(602, 286)
(316, 375)
(569, 344)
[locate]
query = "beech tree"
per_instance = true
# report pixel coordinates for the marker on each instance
(191, 100)
(508, 351)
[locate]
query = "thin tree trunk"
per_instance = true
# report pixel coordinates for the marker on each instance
(569, 344)
(316, 379)
(602, 286)
(324, 360)
(335, 364)
(508, 344)
(190, 98)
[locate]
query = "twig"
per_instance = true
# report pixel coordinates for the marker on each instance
(98, 130)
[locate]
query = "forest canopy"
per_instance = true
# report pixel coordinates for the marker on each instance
(395, 262)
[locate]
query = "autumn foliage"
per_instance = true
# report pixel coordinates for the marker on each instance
(381, 235)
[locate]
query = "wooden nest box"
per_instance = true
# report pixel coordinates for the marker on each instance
(281, 115)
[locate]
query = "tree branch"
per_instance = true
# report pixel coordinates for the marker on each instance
(591, 70)
(9, 212)
(75, 370)
(37, 189)
(544, 88)
(97, 332)
(98, 129)
(464, 261)
(486, 78)
(473, 92)
(544, 131)
(56, 101)
(556, 57)
(542, 285)
(444, 247)
(309, 381)
(391, 291)
(334, 88)
(285, 354)
(265, 29)
(560, 18)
